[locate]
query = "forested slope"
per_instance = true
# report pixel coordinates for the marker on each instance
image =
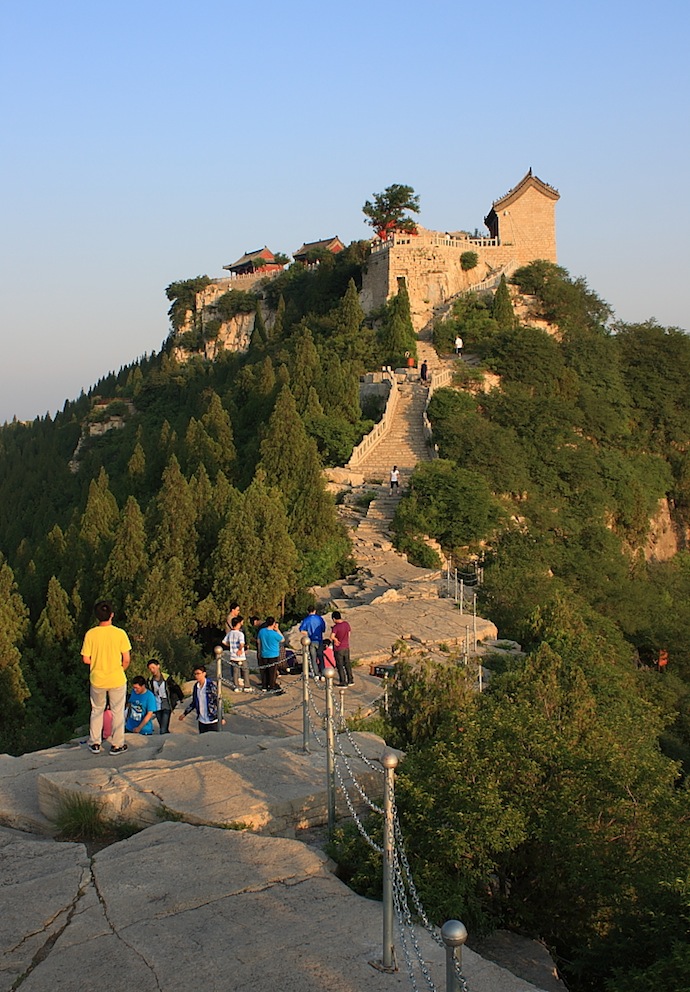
(192, 484)
(556, 803)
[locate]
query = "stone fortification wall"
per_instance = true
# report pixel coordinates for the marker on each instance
(430, 264)
(522, 227)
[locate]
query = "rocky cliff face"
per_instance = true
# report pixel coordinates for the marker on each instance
(233, 335)
(666, 536)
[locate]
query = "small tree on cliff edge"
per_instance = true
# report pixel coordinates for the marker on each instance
(387, 212)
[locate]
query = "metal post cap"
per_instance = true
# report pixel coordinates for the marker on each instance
(304, 640)
(330, 674)
(217, 650)
(389, 759)
(454, 933)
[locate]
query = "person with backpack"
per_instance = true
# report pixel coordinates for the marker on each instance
(167, 694)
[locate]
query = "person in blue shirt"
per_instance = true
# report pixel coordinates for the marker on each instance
(142, 708)
(269, 640)
(315, 626)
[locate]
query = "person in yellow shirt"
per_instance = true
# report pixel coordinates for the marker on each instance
(106, 649)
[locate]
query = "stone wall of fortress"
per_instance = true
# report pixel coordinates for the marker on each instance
(430, 260)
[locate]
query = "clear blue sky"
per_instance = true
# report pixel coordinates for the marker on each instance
(147, 142)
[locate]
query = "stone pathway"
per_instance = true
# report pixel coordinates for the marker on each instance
(406, 443)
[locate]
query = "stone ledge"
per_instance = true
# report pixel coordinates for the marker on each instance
(272, 789)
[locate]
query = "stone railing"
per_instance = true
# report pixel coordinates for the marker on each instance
(492, 281)
(438, 381)
(435, 240)
(380, 430)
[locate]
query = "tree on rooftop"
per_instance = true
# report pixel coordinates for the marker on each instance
(387, 211)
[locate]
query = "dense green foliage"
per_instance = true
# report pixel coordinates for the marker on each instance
(210, 490)
(556, 803)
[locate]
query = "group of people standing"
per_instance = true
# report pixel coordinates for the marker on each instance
(329, 652)
(107, 650)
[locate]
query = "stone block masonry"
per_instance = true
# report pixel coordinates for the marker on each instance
(522, 229)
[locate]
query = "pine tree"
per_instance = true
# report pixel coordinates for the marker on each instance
(305, 369)
(96, 535)
(163, 618)
(502, 307)
(290, 459)
(100, 516)
(259, 336)
(279, 320)
(397, 337)
(136, 466)
(13, 629)
(55, 624)
(218, 426)
(351, 340)
(266, 378)
(175, 517)
(127, 565)
(255, 561)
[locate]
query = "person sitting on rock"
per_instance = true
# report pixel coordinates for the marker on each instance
(142, 708)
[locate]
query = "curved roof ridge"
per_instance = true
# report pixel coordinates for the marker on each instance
(529, 179)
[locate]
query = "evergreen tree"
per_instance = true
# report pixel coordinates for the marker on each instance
(175, 517)
(96, 534)
(278, 320)
(255, 561)
(13, 629)
(127, 565)
(162, 620)
(396, 336)
(351, 340)
(259, 336)
(502, 307)
(136, 466)
(305, 367)
(55, 624)
(100, 516)
(290, 459)
(217, 424)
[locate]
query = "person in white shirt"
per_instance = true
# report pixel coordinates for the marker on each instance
(235, 643)
(395, 478)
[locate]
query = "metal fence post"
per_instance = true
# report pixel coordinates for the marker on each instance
(305, 642)
(385, 693)
(389, 760)
(456, 585)
(341, 715)
(454, 934)
(218, 651)
(330, 748)
(462, 596)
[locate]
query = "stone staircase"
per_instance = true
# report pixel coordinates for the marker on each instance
(405, 444)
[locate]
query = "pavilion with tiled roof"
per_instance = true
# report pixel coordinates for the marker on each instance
(262, 258)
(333, 245)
